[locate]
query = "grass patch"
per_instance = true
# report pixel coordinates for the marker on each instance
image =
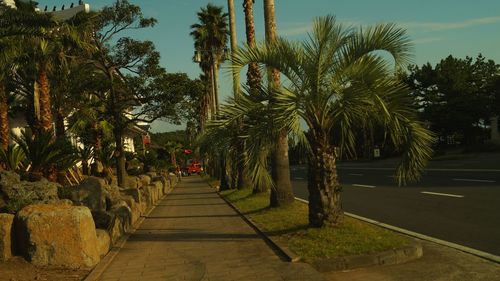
(290, 225)
(213, 182)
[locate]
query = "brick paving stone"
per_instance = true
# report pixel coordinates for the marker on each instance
(192, 234)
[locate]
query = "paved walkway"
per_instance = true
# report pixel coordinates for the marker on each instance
(194, 235)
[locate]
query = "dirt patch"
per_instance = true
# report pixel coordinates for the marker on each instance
(17, 269)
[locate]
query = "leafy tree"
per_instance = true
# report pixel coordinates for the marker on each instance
(132, 71)
(456, 96)
(336, 79)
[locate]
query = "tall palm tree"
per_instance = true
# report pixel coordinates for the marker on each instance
(6, 56)
(282, 193)
(237, 165)
(15, 24)
(337, 80)
(253, 73)
(234, 46)
(211, 36)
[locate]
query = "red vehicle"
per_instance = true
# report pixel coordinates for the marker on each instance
(194, 167)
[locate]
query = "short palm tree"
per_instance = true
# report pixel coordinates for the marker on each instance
(336, 79)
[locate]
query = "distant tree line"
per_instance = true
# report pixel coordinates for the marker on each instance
(457, 98)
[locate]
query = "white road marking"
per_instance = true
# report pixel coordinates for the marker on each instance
(442, 194)
(430, 169)
(473, 180)
(422, 236)
(359, 175)
(364, 185)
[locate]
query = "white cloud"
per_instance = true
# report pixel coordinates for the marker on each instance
(427, 40)
(439, 26)
(295, 29)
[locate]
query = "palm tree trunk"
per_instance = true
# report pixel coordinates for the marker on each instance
(46, 114)
(60, 128)
(223, 172)
(211, 99)
(45, 106)
(282, 194)
(4, 118)
(253, 73)
(31, 116)
(234, 46)
(325, 206)
(216, 89)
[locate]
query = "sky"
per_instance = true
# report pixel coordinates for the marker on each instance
(437, 28)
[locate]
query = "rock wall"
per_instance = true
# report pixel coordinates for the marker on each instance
(59, 235)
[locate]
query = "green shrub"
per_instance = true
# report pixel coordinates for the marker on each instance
(12, 158)
(21, 200)
(63, 192)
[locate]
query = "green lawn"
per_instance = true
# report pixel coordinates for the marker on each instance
(290, 226)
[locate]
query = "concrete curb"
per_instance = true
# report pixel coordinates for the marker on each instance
(464, 249)
(279, 248)
(99, 269)
(388, 257)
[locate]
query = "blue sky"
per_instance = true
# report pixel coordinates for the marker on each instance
(437, 28)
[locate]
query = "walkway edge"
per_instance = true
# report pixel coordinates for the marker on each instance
(279, 248)
(455, 246)
(99, 269)
(389, 257)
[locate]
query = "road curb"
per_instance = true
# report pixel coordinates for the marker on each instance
(389, 257)
(465, 249)
(99, 269)
(279, 248)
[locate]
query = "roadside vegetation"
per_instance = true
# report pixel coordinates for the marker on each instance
(290, 225)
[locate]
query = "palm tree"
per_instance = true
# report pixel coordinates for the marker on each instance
(253, 73)
(282, 193)
(211, 36)
(173, 148)
(14, 23)
(337, 80)
(234, 46)
(5, 70)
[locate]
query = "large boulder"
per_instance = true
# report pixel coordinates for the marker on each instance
(12, 188)
(118, 220)
(132, 182)
(153, 193)
(134, 208)
(147, 195)
(159, 187)
(59, 235)
(92, 192)
(134, 193)
(145, 180)
(6, 245)
(103, 242)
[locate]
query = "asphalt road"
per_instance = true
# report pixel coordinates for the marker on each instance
(457, 205)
